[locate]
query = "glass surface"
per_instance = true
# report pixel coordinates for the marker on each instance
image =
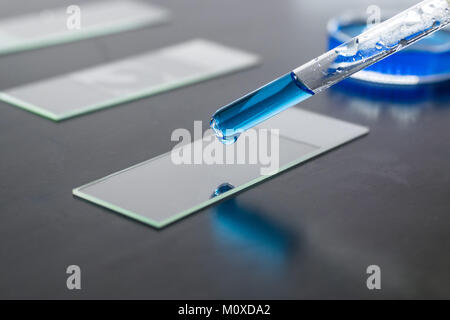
(102, 86)
(159, 192)
(97, 18)
(231, 120)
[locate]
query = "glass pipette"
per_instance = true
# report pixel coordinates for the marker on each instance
(376, 43)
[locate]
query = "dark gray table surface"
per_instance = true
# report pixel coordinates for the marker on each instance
(311, 232)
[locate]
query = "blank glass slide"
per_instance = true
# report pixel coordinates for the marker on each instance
(80, 21)
(160, 191)
(109, 84)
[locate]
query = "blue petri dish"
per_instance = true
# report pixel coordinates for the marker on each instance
(425, 62)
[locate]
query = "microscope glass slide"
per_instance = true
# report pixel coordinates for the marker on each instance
(110, 84)
(84, 20)
(158, 191)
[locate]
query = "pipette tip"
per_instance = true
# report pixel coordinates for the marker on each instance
(220, 135)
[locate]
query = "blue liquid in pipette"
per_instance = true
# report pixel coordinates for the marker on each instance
(233, 119)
